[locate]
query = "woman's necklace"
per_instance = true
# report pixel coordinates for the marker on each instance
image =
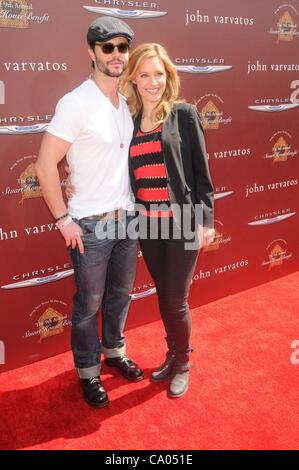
(121, 134)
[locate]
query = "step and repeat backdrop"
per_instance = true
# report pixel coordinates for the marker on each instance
(238, 62)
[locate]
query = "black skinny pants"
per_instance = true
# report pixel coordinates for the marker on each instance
(172, 268)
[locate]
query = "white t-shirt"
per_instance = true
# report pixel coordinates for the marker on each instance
(99, 166)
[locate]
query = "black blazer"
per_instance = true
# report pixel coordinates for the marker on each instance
(185, 159)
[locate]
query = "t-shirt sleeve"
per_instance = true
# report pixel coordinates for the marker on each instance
(67, 120)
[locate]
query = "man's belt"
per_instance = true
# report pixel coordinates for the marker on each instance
(112, 215)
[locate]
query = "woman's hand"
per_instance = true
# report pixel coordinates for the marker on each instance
(206, 236)
(70, 188)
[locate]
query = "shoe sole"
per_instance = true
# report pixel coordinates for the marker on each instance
(133, 379)
(170, 395)
(137, 379)
(97, 405)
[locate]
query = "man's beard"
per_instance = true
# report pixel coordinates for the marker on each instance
(104, 69)
(115, 74)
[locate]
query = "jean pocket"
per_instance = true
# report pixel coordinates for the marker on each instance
(88, 226)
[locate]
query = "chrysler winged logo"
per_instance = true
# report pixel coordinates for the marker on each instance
(128, 14)
(273, 220)
(203, 69)
(34, 129)
(222, 195)
(39, 281)
(272, 109)
(141, 295)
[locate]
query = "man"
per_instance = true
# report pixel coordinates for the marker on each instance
(93, 127)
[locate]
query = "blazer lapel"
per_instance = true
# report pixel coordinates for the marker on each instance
(171, 141)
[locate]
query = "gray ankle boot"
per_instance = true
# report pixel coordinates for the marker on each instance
(164, 371)
(179, 383)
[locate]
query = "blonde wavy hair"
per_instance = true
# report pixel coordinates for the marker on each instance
(129, 89)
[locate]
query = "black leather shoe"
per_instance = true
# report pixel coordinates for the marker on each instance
(126, 366)
(94, 392)
(164, 371)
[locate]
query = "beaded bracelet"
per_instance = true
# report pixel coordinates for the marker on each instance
(61, 217)
(66, 221)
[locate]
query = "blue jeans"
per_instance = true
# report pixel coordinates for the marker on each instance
(104, 277)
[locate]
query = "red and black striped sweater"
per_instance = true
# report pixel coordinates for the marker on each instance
(150, 172)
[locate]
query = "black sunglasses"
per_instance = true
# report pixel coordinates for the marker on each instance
(108, 47)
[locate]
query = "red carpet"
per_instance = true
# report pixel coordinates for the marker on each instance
(243, 392)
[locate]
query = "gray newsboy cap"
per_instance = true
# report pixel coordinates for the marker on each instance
(107, 27)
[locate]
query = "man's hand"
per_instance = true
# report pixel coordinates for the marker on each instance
(72, 233)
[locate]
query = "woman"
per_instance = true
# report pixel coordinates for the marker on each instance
(172, 186)
(170, 180)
